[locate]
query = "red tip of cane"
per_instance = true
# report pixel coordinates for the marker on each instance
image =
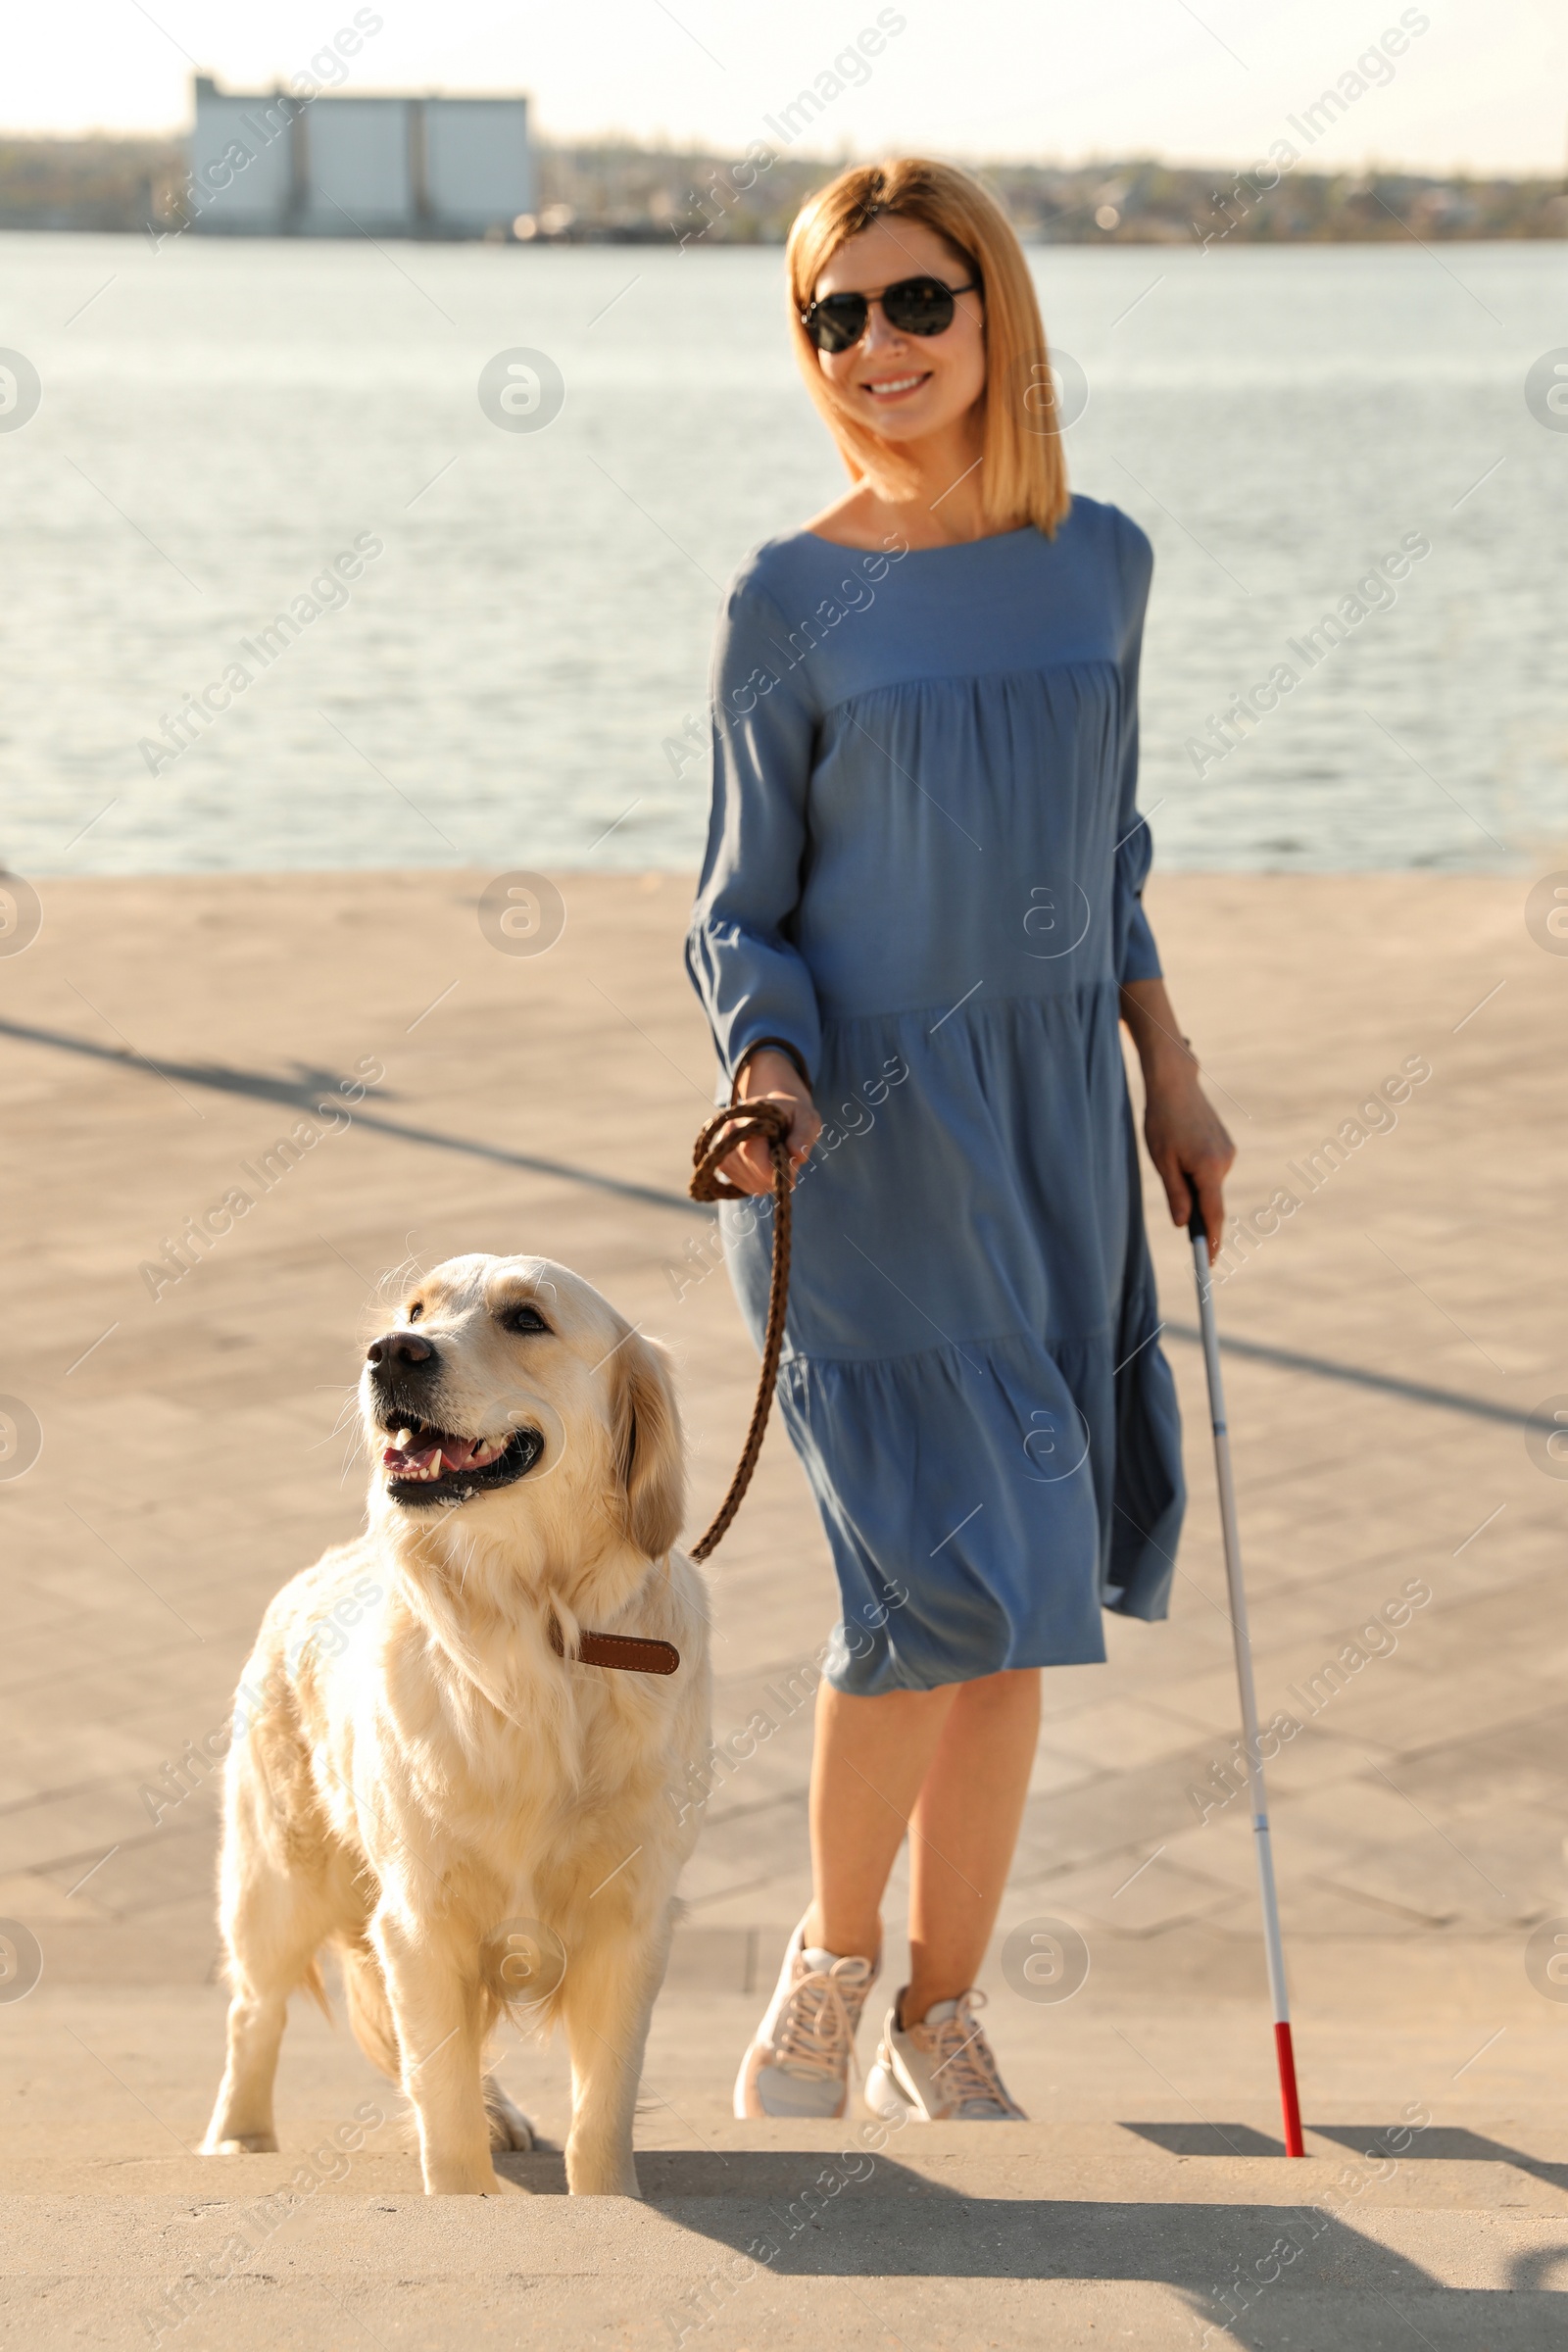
(1289, 2102)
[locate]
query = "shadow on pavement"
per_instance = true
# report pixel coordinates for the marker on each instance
(1446, 2143)
(1207, 2140)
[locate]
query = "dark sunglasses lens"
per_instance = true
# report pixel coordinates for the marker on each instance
(836, 321)
(918, 306)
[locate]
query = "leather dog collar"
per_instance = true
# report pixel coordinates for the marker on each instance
(631, 1653)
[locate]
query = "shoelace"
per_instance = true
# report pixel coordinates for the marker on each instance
(816, 2029)
(965, 2058)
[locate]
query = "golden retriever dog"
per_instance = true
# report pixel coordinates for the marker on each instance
(426, 1776)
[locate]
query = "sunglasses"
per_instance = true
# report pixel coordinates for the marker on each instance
(914, 306)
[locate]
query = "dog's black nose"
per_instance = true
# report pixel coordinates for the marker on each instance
(401, 1348)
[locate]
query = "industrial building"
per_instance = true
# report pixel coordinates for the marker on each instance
(273, 165)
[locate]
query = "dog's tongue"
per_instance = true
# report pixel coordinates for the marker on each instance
(410, 1462)
(429, 1457)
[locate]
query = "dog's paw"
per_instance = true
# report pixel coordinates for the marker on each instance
(249, 2144)
(510, 2129)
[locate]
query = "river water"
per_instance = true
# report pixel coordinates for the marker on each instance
(512, 678)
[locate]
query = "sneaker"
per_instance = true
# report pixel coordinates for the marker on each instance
(799, 2060)
(940, 2071)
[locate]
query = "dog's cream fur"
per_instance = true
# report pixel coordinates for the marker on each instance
(414, 1767)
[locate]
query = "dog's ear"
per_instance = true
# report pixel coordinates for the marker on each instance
(649, 1459)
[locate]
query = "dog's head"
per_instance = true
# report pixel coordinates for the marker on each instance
(501, 1371)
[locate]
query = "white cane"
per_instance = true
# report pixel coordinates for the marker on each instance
(1198, 1234)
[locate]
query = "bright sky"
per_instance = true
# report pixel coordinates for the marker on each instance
(1484, 86)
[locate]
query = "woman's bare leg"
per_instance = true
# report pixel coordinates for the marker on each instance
(868, 1764)
(963, 1833)
(950, 1766)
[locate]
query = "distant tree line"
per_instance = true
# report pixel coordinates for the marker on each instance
(614, 191)
(87, 184)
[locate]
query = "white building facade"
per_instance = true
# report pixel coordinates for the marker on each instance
(273, 165)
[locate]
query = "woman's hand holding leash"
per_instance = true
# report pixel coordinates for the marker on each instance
(1185, 1134)
(772, 1077)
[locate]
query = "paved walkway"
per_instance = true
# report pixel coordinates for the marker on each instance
(1390, 1337)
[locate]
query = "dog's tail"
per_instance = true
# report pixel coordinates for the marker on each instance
(369, 2010)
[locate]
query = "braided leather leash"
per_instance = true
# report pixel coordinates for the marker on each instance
(740, 1124)
(769, 1122)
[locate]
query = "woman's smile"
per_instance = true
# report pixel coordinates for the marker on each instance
(894, 387)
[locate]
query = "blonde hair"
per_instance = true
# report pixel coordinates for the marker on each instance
(1023, 471)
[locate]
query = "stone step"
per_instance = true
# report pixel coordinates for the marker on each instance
(961, 2238)
(1152, 2205)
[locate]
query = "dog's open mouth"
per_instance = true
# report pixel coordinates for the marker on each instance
(425, 1465)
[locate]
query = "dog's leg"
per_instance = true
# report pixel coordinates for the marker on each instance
(273, 1930)
(606, 2001)
(439, 2030)
(243, 2119)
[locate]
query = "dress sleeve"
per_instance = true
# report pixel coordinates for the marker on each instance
(740, 951)
(1137, 957)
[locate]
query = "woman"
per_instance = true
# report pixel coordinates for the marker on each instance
(921, 909)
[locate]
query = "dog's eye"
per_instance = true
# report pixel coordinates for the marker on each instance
(414, 1312)
(523, 1318)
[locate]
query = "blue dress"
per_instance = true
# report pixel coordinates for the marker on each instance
(923, 873)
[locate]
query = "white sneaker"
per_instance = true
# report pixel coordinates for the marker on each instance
(940, 2071)
(799, 2060)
